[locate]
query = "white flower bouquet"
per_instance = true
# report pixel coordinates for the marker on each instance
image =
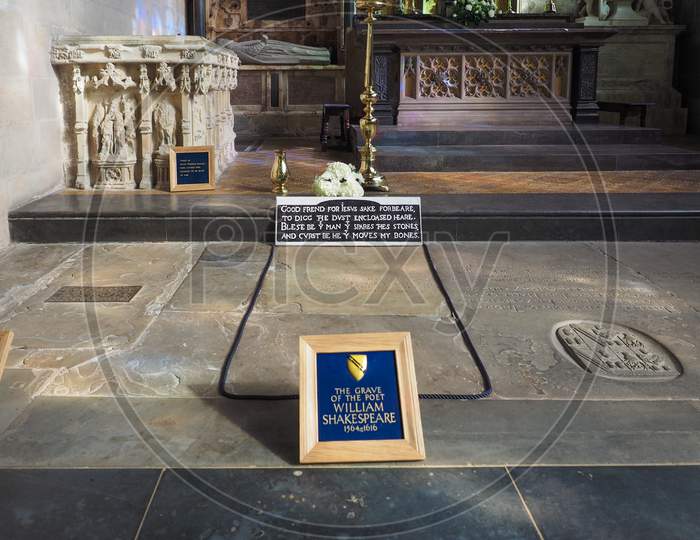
(473, 11)
(339, 180)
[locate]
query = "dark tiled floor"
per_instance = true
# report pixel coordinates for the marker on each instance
(443, 503)
(343, 503)
(81, 504)
(613, 503)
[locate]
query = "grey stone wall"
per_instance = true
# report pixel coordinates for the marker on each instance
(30, 114)
(687, 12)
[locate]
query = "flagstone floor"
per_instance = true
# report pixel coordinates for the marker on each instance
(250, 174)
(110, 410)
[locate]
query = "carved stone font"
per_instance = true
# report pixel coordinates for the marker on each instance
(125, 106)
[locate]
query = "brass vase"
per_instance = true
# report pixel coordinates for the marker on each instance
(280, 173)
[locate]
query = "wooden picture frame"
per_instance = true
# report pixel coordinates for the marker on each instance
(5, 342)
(409, 447)
(177, 182)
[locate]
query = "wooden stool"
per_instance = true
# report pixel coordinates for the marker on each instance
(624, 108)
(343, 112)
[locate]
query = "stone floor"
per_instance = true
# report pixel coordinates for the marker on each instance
(75, 365)
(249, 175)
(99, 399)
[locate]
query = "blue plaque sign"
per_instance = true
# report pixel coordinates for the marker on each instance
(358, 396)
(191, 168)
(358, 399)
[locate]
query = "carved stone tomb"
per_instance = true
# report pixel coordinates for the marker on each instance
(128, 100)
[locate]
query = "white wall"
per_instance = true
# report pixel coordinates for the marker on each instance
(30, 113)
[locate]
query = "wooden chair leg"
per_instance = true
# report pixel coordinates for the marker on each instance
(623, 118)
(324, 132)
(346, 120)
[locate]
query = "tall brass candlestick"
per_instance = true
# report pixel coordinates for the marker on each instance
(368, 124)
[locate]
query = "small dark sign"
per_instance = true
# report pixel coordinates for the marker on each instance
(191, 168)
(358, 396)
(358, 221)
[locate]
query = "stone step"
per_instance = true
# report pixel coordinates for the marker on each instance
(515, 135)
(536, 157)
(142, 217)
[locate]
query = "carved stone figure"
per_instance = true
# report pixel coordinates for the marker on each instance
(164, 121)
(270, 51)
(185, 82)
(653, 9)
(202, 79)
(626, 11)
(144, 81)
(110, 73)
(78, 81)
(97, 126)
(114, 130)
(587, 8)
(129, 107)
(165, 77)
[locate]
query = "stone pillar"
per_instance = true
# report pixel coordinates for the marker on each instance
(146, 129)
(82, 173)
(185, 84)
(584, 106)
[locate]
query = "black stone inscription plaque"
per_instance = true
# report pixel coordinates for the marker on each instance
(361, 221)
(95, 294)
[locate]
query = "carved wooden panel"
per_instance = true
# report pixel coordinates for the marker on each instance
(531, 75)
(409, 79)
(381, 76)
(485, 76)
(588, 74)
(477, 76)
(562, 75)
(440, 76)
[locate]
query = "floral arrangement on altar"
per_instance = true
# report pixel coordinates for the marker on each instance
(473, 11)
(339, 180)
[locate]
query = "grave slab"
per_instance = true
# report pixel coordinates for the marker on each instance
(351, 281)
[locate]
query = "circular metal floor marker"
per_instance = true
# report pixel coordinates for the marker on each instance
(616, 352)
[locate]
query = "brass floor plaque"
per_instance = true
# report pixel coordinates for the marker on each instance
(616, 352)
(95, 294)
